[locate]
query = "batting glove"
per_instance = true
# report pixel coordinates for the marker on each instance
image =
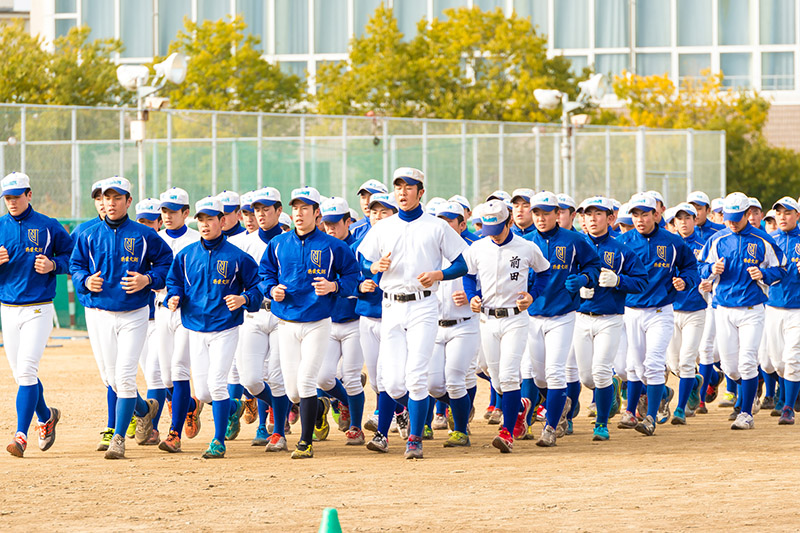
(587, 293)
(608, 278)
(575, 282)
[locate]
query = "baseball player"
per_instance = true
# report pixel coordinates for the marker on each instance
(246, 209)
(360, 227)
(409, 249)
(212, 282)
(771, 221)
(173, 338)
(599, 324)
(116, 264)
(285, 222)
(567, 211)
(34, 248)
(704, 227)
(521, 212)
(302, 271)
(660, 207)
(573, 264)
(649, 321)
(755, 214)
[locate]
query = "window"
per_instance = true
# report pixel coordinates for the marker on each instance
(652, 23)
(252, 12)
(66, 6)
(99, 16)
(298, 68)
(291, 27)
(489, 5)
(364, 9)
(63, 26)
(170, 21)
(536, 10)
(736, 69)
(439, 6)
(572, 24)
(611, 64)
(330, 26)
(408, 13)
(777, 21)
(212, 10)
(734, 22)
(611, 26)
(777, 71)
(694, 22)
(578, 64)
(653, 64)
(137, 28)
(693, 65)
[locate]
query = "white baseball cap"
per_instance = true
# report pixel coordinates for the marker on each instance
(617, 204)
(566, 201)
(716, 205)
(787, 202)
(210, 205)
(372, 187)
(15, 184)
(657, 196)
(624, 216)
(285, 220)
(544, 200)
(229, 201)
(433, 203)
(499, 195)
(735, 206)
(385, 199)
(334, 209)
(462, 200)
(476, 214)
(524, 193)
(149, 209)
(771, 214)
(698, 197)
(598, 202)
(266, 196)
(494, 214)
(643, 202)
(174, 199)
(115, 183)
(97, 188)
(412, 176)
(450, 210)
(308, 195)
(245, 202)
(686, 207)
(755, 203)
(669, 214)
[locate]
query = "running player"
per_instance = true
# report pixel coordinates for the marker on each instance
(365, 192)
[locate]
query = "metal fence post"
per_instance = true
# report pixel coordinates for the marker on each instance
(302, 151)
(463, 158)
(22, 138)
(500, 156)
(121, 142)
(169, 149)
(556, 161)
(608, 163)
(235, 165)
(259, 149)
(385, 134)
(425, 147)
(689, 161)
(723, 169)
(537, 169)
(75, 210)
(214, 153)
(344, 158)
(476, 173)
(641, 160)
(154, 180)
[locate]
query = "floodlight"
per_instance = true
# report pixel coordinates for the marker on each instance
(547, 98)
(173, 68)
(131, 76)
(593, 88)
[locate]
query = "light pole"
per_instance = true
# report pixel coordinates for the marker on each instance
(135, 78)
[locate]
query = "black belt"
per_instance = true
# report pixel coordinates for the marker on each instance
(501, 312)
(266, 305)
(407, 297)
(451, 323)
(593, 314)
(159, 304)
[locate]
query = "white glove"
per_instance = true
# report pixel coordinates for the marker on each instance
(586, 293)
(608, 278)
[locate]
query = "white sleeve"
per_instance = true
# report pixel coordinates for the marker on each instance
(470, 260)
(452, 245)
(369, 247)
(537, 260)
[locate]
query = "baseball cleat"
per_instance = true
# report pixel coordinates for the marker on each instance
(172, 443)
(647, 426)
(641, 407)
(47, 430)
(616, 402)
(354, 436)
(488, 413)
(303, 451)
(294, 414)
(403, 424)
(663, 408)
(277, 443)
(427, 433)
(529, 435)
(728, 399)
(144, 424)
(344, 418)
(628, 421)
(497, 416)
(743, 421)
(116, 450)
(735, 413)
(756, 406)
(570, 429)
(193, 420)
(261, 438)
(234, 420)
(679, 417)
(393, 424)
(379, 443)
(521, 425)
(778, 409)
(372, 423)
(504, 441)
(457, 440)
(131, 432)
(548, 438)
(701, 409)
(413, 447)
(787, 416)
(768, 403)
(216, 450)
(694, 396)
(153, 439)
(251, 410)
(561, 428)
(600, 433)
(17, 445)
(105, 439)
(363, 379)
(439, 422)
(322, 427)
(271, 421)
(591, 411)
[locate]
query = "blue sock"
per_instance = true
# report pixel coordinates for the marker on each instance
(782, 391)
(511, 401)
(403, 400)
(603, 399)
(42, 411)
(338, 391)
(471, 392)
(634, 392)
(769, 384)
(308, 417)
(221, 410)
(262, 412)
(235, 391)
(280, 410)
(247, 394)
(417, 409)
(430, 411)
(233, 407)
(460, 408)
(739, 395)
(169, 393)
(141, 408)
(792, 388)
(27, 397)
(125, 408)
(441, 406)
(684, 390)
(654, 395)
(775, 380)
(748, 394)
(111, 405)
(160, 395)
(386, 410)
(707, 371)
(356, 404)
(730, 384)
(181, 404)
(482, 375)
(265, 395)
(528, 390)
(556, 399)
(573, 393)
(497, 399)
(594, 396)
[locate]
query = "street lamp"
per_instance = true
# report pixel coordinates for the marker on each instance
(135, 78)
(591, 91)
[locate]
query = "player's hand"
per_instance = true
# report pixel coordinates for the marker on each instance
(94, 282)
(755, 273)
(173, 303)
(524, 301)
(798, 266)
(608, 278)
(719, 267)
(278, 293)
(679, 284)
(367, 286)
(134, 282)
(475, 304)
(586, 293)
(706, 285)
(382, 265)
(575, 281)
(429, 278)
(322, 286)
(234, 301)
(3, 255)
(43, 264)
(460, 298)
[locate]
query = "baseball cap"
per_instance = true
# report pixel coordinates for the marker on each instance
(308, 195)
(499, 195)
(669, 214)
(617, 204)
(566, 201)
(450, 210)
(334, 209)
(210, 205)
(353, 214)
(525, 194)
(698, 197)
(643, 202)
(149, 209)
(245, 202)
(97, 188)
(412, 176)
(787, 202)
(433, 203)
(771, 214)
(657, 196)
(544, 200)
(372, 187)
(754, 202)
(266, 196)
(385, 199)
(716, 204)
(174, 199)
(15, 184)
(476, 214)
(229, 201)
(493, 217)
(686, 207)
(599, 202)
(285, 220)
(116, 183)
(735, 206)
(624, 216)
(462, 200)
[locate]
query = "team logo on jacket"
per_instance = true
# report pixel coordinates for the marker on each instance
(797, 248)
(33, 236)
(561, 252)
(316, 257)
(661, 252)
(608, 257)
(129, 245)
(751, 249)
(698, 253)
(222, 268)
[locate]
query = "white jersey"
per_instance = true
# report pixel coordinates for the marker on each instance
(416, 247)
(252, 244)
(240, 239)
(177, 244)
(448, 310)
(503, 270)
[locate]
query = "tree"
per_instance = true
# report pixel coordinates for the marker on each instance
(21, 59)
(227, 71)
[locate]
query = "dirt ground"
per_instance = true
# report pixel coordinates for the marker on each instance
(700, 476)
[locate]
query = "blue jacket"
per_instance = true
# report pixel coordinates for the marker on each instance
(25, 237)
(369, 303)
(80, 228)
(664, 256)
(786, 294)
(113, 252)
(693, 300)
(360, 228)
(236, 230)
(530, 230)
(632, 276)
(569, 253)
(344, 308)
(203, 274)
(469, 237)
(750, 247)
(294, 262)
(708, 229)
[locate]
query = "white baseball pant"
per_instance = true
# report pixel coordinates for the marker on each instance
(408, 333)
(173, 346)
(471, 380)
(621, 357)
(119, 336)
(683, 350)
(709, 354)
(148, 362)
(596, 341)
(92, 323)
(370, 338)
(739, 331)
(302, 349)
(649, 333)
(26, 330)
(571, 368)
(258, 354)
(453, 357)
(344, 347)
(783, 340)
(212, 356)
(549, 342)
(765, 359)
(503, 341)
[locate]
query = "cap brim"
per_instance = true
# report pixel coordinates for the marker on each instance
(332, 218)
(209, 212)
(789, 207)
(642, 208)
(307, 201)
(407, 181)
(148, 216)
(449, 215)
(526, 198)
(368, 190)
(172, 206)
(387, 206)
(229, 208)
(247, 207)
(733, 217)
(585, 209)
(493, 229)
(543, 207)
(263, 201)
(95, 192)
(14, 192)
(115, 189)
(566, 206)
(698, 202)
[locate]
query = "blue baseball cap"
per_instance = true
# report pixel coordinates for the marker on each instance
(245, 202)
(462, 200)
(494, 214)
(787, 202)
(174, 199)
(699, 198)
(642, 202)
(450, 210)
(210, 205)
(525, 194)
(598, 202)
(117, 184)
(686, 207)
(372, 187)
(229, 201)
(412, 176)
(385, 199)
(565, 201)
(624, 216)
(97, 188)
(334, 209)
(735, 207)
(148, 209)
(266, 196)
(307, 195)
(15, 184)
(545, 200)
